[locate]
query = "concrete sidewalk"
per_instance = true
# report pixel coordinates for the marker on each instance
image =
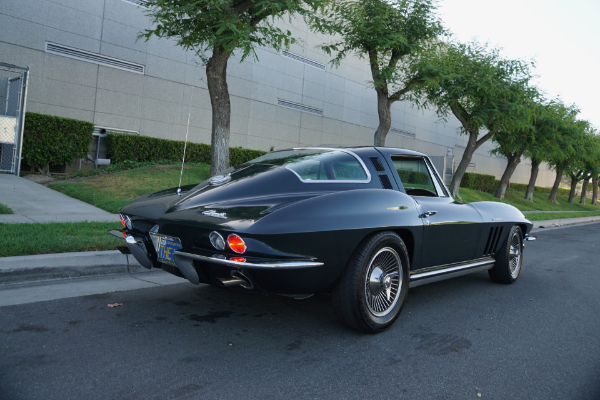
(32, 202)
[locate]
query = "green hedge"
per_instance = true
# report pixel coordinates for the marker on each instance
(487, 183)
(49, 139)
(416, 177)
(523, 186)
(481, 182)
(122, 147)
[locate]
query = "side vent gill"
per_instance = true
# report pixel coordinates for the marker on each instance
(493, 240)
(95, 58)
(377, 164)
(385, 181)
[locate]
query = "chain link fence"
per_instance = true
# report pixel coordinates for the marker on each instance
(13, 97)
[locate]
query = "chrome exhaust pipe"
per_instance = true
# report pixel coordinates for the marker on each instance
(237, 279)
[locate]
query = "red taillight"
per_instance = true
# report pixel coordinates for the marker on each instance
(122, 221)
(236, 244)
(238, 259)
(124, 234)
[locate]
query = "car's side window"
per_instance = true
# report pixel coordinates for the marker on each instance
(415, 176)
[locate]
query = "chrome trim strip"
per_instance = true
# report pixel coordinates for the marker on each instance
(116, 233)
(455, 274)
(333, 181)
(288, 264)
(451, 268)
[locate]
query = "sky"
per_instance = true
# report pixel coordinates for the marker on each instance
(563, 37)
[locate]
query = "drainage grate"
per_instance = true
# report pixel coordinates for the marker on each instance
(299, 107)
(402, 133)
(385, 182)
(304, 60)
(93, 58)
(142, 3)
(377, 164)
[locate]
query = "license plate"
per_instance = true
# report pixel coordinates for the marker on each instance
(165, 246)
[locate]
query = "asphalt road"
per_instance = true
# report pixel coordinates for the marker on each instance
(466, 338)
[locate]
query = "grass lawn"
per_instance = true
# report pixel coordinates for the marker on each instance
(540, 202)
(5, 210)
(56, 237)
(111, 192)
(545, 216)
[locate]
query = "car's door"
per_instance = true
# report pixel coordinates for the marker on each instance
(451, 229)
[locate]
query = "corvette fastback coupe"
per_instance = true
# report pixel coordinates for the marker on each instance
(362, 223)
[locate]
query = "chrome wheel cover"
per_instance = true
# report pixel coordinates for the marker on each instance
(383, 281)
(514, 255)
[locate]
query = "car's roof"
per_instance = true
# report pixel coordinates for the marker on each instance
(384, 150)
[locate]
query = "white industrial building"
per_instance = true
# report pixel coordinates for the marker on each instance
(86, 63)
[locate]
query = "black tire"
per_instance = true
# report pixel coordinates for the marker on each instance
(509, 258)
(355, 302)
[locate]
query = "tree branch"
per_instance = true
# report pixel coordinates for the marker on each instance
(485, 137)
(242, 7)
(376, 73)
(461, 114)
(396, 96)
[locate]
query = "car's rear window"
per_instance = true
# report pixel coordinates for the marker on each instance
(317, 165)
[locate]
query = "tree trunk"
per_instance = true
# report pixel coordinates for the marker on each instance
(535, 168)
(513, 161)
(594, 191)
(216, 78)
(385, 118)
(554, 191)
(584, 190)
(464, 164)
(45, 170)
(574, 182)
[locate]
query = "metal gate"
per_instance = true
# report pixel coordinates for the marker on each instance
(13, 97)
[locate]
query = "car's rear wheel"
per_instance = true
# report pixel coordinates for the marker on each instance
(372, 289)
(509, 258)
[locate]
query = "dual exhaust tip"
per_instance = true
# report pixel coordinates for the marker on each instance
(237, 279)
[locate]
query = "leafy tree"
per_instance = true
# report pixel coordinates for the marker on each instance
(388, 34)
(514, 143)
(545, 144)
(571, 142)
(218, 28)
(591, 166)
(483, 90)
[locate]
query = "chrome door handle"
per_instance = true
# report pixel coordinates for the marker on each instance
(427, 214)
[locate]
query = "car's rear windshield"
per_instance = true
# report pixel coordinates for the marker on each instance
(317, 165)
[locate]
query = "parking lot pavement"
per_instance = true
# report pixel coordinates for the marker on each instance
(458, 339)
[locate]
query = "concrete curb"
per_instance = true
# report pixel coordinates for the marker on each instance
(47, 267)
(564, 221)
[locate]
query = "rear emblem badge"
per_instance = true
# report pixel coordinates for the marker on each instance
(213, 213)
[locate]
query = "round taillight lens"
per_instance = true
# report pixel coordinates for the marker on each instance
(217, 240)
(122, 220)
(236, 243)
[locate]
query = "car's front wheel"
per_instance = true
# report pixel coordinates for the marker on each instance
(509, 258)
(372, 289)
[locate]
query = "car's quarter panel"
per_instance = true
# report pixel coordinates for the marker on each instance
(452, 234)
(498, 218)
(346, 218)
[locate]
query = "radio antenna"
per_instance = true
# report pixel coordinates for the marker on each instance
(187, 129)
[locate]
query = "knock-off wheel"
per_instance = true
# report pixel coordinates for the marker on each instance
(371, 292)
(509, 258)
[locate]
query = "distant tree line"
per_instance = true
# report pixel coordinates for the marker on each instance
(411, 57)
